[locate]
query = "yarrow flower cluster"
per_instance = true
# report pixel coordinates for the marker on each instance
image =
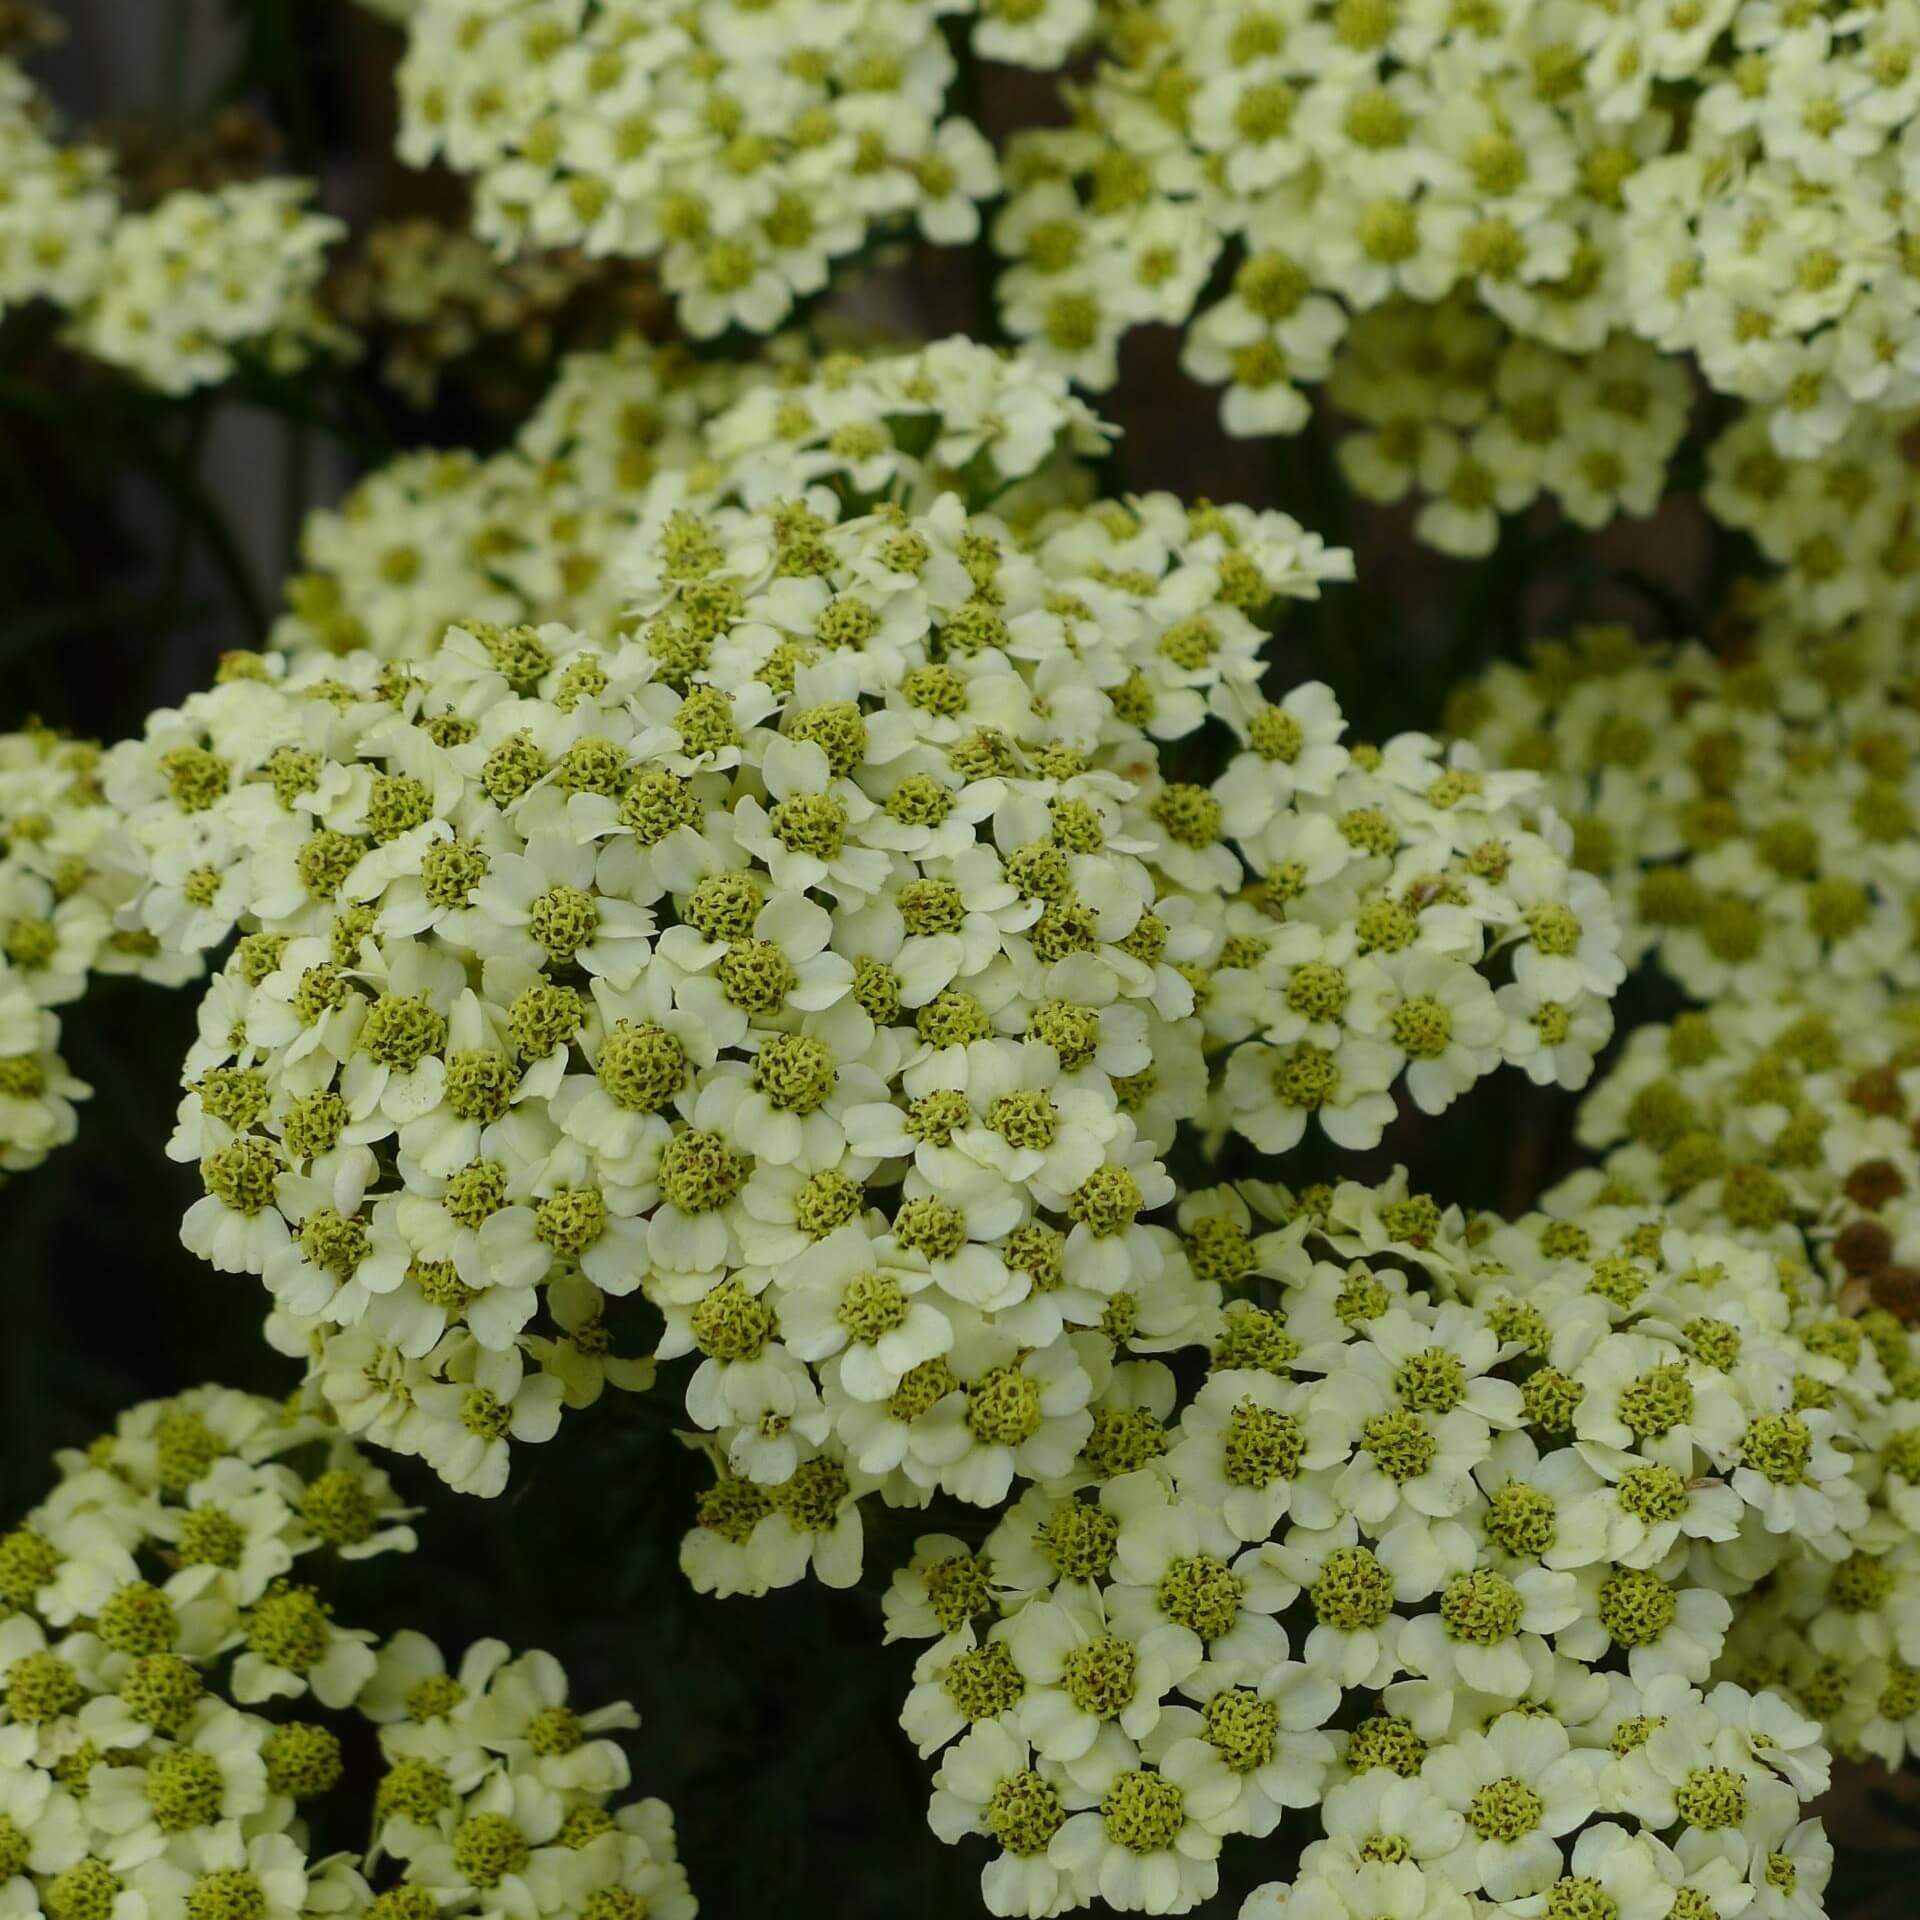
(58, 901)
(1754, 816)
(527, 535)
(1785, 1121)
(177, 1698)
(173, 295)
(770, 887)
(1790, 1126)
(534, 534)
(1839, 529)
(1446, 1548)
(188, 288)
(1726, 181)
(60, 207)
(1475, 422)
(750, 145)
(839, 908)
(1832, 1626)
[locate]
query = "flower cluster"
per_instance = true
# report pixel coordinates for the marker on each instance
(496, 1795)
(527, 535)
(203, 278)
(171, 294)
(1445, 1547)
(1838, 528)
(749, 144)
(840, 906)
(1754, 817)
(1832, 1625)
(1784, 1121)
(174, 294)
(37, 1091)
(1725, 180)
(58, 213)
(904, 427)
(176, 1696)
(1474, 422)
(59, 894)
(533, 534)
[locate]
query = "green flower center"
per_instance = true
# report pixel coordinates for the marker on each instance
(564, 919)
(1422, 1028)
(1077, 1541)
(1481, 1608)
(1263, 1445)
(27, 1563)
(1712, 1797)
(41, 1687)
(1024, 1812)
(1431, 1382)
(1384, 1741)
(1352, 1592)
(1106, 1203)
(700, 1172)
(303, 1761)
(415, 1790)
(1551, 1399)
(1099, 1678)
(1143, 1812)
(1574, 1898)
(571, 1220)
(872, 1306)
(959, 1589)
(83, 1892)
(1506, 1809)
(162, 1689)
(1636, 1606)
(1778, 1447)
(1400, 1443)
(289, 1629)
(138, 1619)
(1201, 1592)
(982, 1682)
(1242, 1728)
(1521, 1519)
(795, 1072)
(184, 1789)
(480, 1085)
(1660, 1400)
(1655, 1494)
(1003, 1407)
(487, 1847)
(228, 1894)
(755, 976)
(731, 1324)
(930, 1227)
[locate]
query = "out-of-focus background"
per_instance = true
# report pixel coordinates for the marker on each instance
(137, 542)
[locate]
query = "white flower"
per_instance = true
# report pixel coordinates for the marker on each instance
(1519, 1786)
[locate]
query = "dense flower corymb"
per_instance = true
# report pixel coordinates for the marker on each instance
(750, 147)
(179, 1703)
(839, 902)
(1446, 1547)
